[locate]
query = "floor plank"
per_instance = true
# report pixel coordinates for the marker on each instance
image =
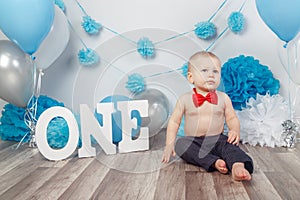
(24, 188)
(120, 185)
(26, 174)
(86, 184)
(171, 182)
(199, 184)
(16, 174)
(285, 184)
(58, 184)
(260, 187)
(227, 188)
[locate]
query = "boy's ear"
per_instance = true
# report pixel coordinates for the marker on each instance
(190, 77)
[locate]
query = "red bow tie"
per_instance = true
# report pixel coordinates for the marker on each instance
(198, 99)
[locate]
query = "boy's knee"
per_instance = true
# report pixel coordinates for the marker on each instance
(182, 145)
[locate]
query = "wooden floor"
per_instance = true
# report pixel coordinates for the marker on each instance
(26, 174)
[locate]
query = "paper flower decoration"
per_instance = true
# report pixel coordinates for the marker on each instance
(184, 69)
(88, 57)
(90, 26)
(236, 22)
(261, 120)
(145, 47)
(205, 30)
(135, 83)
(244, 77)
(13, 127)
(60, 4)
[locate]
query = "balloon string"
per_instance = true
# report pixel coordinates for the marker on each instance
(289, 85)
(39, 83)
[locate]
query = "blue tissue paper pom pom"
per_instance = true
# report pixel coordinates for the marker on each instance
(60, 4)
(13, 127)
(236, 22)
(244, 77)
(145, 47)
(184, 69)
(88, 57)
(205, 30)
(90, 26)
(135, 83)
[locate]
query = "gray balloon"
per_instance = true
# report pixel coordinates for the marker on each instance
(16, 74)
(158, 111)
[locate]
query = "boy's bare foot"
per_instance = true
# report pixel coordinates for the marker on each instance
(220, 165)
(239, 173)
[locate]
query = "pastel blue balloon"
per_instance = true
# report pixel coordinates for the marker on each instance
(117, 118)
(281, 16)
(26, 22)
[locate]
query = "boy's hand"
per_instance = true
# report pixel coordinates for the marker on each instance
(169, 150)
(233, 137)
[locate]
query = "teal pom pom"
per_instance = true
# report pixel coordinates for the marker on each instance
(88, 57)
(13, 127)
(135, 83)
(236, 22)
(145, 47)
(244, 77)
(60, 4)
(205, 30)
(90, 26)
(184, 69)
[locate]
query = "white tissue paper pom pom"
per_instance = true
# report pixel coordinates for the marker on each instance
(261, 120)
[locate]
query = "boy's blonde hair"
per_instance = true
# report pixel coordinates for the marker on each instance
(199, 55)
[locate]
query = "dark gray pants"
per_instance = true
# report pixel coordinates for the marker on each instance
(204, 151)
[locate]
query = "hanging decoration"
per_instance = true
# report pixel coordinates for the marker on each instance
(60, 4)
(205, 30)
(90, 25)
(261, 120)
(289, 133)
(236, 22)
(135, 83)
(88, 57)
(184, 69)
(244, 77)
(145, 47)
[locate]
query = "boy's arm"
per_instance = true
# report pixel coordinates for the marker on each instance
(172, 128)
(232, 122)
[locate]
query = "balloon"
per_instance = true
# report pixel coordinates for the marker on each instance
(117, 118)
(158, 111)
(55, 42)
(290, 59)
(16, 74)
(26, 23)
(281, 16)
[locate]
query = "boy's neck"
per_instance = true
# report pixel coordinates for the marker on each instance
(204, 92)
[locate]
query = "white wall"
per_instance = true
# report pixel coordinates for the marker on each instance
(69, 82)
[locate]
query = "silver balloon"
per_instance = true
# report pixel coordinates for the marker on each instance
(16, 74)
(158, 111)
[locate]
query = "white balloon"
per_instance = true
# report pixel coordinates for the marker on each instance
(55, 42)
(290, 58)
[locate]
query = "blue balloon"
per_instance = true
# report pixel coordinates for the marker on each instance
(26, 22)
(281, 16)
(117, 118)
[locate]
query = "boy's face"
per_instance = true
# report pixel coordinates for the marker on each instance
(205, 73)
